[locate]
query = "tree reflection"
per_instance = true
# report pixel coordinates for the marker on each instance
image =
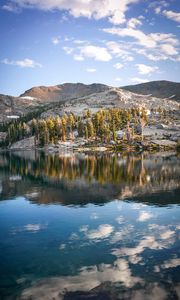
(122, 176)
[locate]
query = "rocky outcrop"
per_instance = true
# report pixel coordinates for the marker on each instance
(164, 143)
(25, 144)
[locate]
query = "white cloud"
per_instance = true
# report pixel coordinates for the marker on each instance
(171, 263)
(88, 278)
(118, 66)
(68, 50)
(152, 56)
(91, 70)
(55, 40)
(26, 63)
(167, 234)
(133, 23)
(103, 231)
(154, 46)
(157, 10)
(172, 15)
(32, 227)
(119, 50)
(95, 52)
(139, 80)
(169, 49)
(142, 38)
(113, 9)
(144, 69)
(144, 216)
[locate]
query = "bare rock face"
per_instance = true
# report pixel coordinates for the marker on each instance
(24, 144)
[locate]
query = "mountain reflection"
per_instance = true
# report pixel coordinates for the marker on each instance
(79, 179)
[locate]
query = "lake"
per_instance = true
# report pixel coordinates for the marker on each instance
(81, 226)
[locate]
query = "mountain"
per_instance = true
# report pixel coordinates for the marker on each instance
(113, 97)
(160, 89)
(77, 97)
(17, 106)
(64, 91)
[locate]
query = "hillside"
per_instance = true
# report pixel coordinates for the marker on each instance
(113, 97)
(64, 91)
(160, 89)
(71, 97)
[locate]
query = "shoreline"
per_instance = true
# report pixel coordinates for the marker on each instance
(119, 148)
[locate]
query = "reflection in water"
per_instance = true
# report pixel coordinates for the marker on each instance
(65, 179)
(126, 247)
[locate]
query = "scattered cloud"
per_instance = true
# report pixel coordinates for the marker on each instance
(171, 263)
(25, 63)
(144, 216)
(88, 278)
(120, 50)
(55, 40)
(144, 69)
(169, 49)
(33, 228)
(118, 66)
(95, 52)
(62, 246)
(68, 50)
(154, 46)
(142, 38)
(102, 232)
(172, 15)
(167, 234)
(133, 23)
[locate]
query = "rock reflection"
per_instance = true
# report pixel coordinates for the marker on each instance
(66, 179)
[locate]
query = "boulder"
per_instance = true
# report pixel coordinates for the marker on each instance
(24, 144)
(164, 143)
(162, 126)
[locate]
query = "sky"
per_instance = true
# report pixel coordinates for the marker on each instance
(115, 42)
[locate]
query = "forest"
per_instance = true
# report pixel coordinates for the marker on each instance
(102, 125)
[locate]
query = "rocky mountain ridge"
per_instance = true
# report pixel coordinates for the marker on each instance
(160, 89)
(76, 97)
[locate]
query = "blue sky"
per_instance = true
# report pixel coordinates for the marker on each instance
(116, 42)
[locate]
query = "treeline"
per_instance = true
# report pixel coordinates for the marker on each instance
(102, 125)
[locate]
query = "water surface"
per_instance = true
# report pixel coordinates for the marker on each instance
(79, 226)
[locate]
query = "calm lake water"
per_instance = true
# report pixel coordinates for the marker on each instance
(89, 226)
